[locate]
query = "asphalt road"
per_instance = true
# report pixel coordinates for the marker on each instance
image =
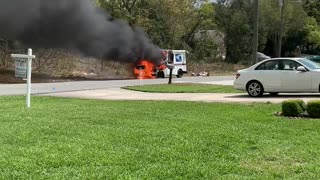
(110, 90)
(44, 88)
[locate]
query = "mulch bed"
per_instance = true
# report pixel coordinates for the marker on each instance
(280, 114)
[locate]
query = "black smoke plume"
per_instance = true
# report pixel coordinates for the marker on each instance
(77, 25)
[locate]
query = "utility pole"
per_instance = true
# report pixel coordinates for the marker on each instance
(256, 32)
(282, 6)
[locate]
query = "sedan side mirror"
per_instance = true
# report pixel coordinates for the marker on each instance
(302, 69)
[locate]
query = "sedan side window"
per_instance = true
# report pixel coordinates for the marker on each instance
(289, 65)
(269, 65)
(260, 67)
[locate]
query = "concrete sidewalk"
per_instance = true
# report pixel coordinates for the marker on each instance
(122, 94)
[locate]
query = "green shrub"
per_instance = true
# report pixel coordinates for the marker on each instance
(293, 108)
(302, 104)
(313, 109)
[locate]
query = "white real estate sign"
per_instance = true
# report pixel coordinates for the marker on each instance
(24, 68)
(21, 68)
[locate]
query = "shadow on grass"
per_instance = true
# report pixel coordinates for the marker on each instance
(279, 96)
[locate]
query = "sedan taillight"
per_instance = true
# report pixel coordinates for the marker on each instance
(237, 76)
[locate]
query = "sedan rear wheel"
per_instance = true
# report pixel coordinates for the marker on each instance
(255, 89)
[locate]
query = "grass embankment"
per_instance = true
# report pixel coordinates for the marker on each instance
(184, 88)
(89, 139)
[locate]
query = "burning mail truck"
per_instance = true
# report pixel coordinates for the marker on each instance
(175, 59)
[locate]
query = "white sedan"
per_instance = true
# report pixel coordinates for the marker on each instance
(279, 75)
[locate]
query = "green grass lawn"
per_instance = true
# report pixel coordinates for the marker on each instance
(184, 88)
(89, 139)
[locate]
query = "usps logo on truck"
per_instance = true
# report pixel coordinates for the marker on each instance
(179, 58)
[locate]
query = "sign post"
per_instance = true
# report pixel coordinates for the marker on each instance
(141, 75)
(21, 66)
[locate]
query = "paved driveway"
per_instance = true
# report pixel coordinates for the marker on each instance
(121, 94)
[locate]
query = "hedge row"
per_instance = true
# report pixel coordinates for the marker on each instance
(296, 108)
(313, 109)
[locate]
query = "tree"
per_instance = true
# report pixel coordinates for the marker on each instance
(312, 29)
(312, 8)
(234, 19)
(294, 20)
(122, 9)
(170, 24)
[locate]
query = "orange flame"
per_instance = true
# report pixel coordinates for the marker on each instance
(144, 70)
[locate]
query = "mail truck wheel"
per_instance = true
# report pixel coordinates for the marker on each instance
(180, 73)
(160, 74)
